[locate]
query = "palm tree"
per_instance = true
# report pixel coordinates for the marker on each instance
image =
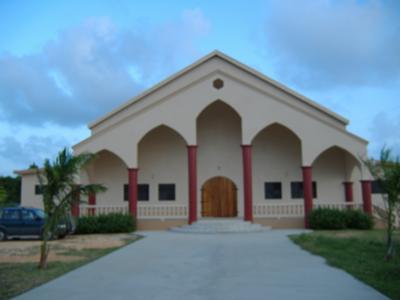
(58, 183)
(387, 172)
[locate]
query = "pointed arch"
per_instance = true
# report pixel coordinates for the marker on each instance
(280, 124)
(109, 169)
(162, 159)
(333, 167)
(161, 126)
(219, 102)
(333, 147)
(111, 152)
(277, 158)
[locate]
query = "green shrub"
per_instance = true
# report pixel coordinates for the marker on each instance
(327, 218)
(111, 223)
(356, 219)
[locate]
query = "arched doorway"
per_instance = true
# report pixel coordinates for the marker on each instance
(219, 198)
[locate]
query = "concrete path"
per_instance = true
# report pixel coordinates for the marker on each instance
(167, 265)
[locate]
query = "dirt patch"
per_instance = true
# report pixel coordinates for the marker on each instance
(28, 250)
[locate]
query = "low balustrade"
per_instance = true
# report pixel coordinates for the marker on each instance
(163, 211)
(180, 211)
(338, 205)
(99, 209)
(266, 210)
(293, 210)
(148, 211)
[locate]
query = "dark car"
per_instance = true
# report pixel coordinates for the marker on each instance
(26, 221)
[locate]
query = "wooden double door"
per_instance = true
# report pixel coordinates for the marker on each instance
(219, 198)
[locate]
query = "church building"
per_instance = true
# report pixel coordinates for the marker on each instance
(220, 140)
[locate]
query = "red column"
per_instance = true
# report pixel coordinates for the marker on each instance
(307, 193)
(75, 210)
(366, 196)
(92, 201)
(348, 191)
(192, 163)
(247, 183)
(132, 191)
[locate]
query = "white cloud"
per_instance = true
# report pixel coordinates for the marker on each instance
(87, 70)
(327, 43)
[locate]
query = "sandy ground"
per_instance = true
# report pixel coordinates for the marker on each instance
(28, 250)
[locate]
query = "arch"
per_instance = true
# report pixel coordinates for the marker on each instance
(214, 177)
(157, 127)
(219, 197)
(162, 159)
(349, 153)
(109, 169)
(331, 169)
(216, 102)
(219, 136)
(277, 158)
(292, 131)
(105, 150)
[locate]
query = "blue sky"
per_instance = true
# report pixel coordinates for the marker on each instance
(63, 64)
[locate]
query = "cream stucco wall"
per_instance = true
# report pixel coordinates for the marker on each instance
(28, 196)
(258, 103)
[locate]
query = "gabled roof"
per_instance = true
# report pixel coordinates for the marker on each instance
(237, 64)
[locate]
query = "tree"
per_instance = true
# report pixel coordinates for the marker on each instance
(57, 180)
(387, 173)
(12, 186)
(33, 166)
(3, 195)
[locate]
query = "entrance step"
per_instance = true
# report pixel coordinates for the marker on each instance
(220, 225)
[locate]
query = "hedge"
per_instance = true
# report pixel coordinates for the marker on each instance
(110, 223)
(328, 218)
(356, 219)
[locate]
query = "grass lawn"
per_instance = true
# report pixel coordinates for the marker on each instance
(360, 253)
(19, 277)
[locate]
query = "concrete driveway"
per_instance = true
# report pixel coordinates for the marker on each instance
(167, 265)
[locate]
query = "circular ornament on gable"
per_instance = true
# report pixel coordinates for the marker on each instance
(218, 83)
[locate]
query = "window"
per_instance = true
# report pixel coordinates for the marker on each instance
(27, 215)
(38, 190)
(143, 192)
(297, 189)
(376, 187)
(166, 192)
(273, 190)
(126, 193)
(10, 214)
(40, 213)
